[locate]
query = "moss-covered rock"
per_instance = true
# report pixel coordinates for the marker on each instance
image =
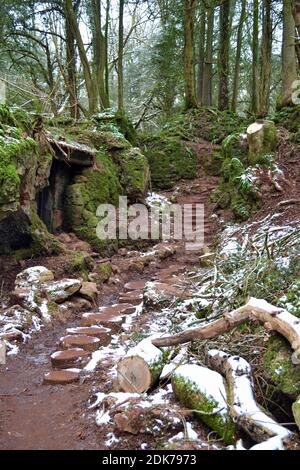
(278, 366)
(104, 272)
(80, 263)
(170, 160)
(25, 171)
(116, 122)
(133, 171)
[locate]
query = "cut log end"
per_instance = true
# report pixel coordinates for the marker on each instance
(134, 375)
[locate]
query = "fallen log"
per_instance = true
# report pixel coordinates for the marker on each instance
(141, 367)
(244, 410)
(273, 319)
(203, 390)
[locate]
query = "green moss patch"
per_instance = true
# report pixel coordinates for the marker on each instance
(190, 397)
(170, 160)
(279, 367)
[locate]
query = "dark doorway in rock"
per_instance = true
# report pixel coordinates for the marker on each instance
(51, 200)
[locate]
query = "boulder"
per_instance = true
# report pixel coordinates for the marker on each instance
(89, 291)
(59, 291)
(33, 276)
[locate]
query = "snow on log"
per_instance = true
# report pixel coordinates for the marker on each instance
(203, 390)
(244, 410)
(171, 366)
(273, 318)
(141, 367)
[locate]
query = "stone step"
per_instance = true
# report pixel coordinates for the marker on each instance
(110, 320)
(69, 358)
(12, 335)
(61, 377)
(100, 332)
(135, 285)
(133, 297)
(88, 343)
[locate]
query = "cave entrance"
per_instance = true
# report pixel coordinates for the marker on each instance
(51, 200)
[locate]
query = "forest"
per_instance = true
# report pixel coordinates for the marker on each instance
(150, 226)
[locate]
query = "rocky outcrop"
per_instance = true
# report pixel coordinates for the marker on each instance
(24, 170)
(57, 181)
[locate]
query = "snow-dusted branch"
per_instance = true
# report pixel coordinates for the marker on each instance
(273, 318)
(244, 410)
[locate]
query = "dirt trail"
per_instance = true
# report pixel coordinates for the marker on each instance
(37, 416)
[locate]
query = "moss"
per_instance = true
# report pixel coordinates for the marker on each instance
(104, 271)
(288, 118)
(102, 185)
(278, 366)
(79, 263)
(190, 397)
(116, 122)
(170, 160)
(15, 155)
(133, 173)
(157, 367)
(235, 146)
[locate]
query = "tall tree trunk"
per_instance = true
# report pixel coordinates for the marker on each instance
(71, 69)
(208, 62)
(237, 66)
(201, 52)
(106, 49)
(89, 84)
(255, 59)
(120, 57)
(189, 75)
(266, 60)
(224, 46)
(289, 69)
(296, 14)
(99, 53)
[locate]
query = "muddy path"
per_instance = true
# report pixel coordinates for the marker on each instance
(38, 416)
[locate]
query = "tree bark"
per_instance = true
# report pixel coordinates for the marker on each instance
(189, 75)
(224, 45)
(106, 50)
(289, 69)
(208, 62)
(266, 60)
(99, 54)
(71, 69)
(255, 59)
(237, 67)
(201, 53)
(120, 57)
(90, 86)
